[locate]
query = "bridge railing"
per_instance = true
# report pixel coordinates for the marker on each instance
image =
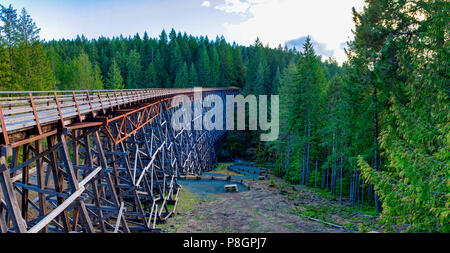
(22, 110)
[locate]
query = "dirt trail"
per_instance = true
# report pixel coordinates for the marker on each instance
(260, 210)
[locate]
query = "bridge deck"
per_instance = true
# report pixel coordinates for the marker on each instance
(37, 110)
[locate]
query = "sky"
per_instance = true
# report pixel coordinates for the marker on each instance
(275, 22)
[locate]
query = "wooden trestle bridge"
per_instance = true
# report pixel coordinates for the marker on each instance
(96, 161)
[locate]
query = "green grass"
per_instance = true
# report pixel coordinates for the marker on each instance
(258, 211)
(226, 230)
(187, 201)
(223, 166)
(347, 216)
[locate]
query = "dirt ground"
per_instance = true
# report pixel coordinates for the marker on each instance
(262, 209)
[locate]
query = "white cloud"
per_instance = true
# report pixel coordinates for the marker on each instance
(278, 21)
(234, 6)
(206, 4)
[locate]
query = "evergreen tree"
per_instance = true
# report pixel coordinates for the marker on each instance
(204, 77)
(227, 76)
(182, 79)
(259, 82)
(239, 68)
(175, 59)
(98, 79)
(33, 69)
(151, 77)
(9, 30)
(215, 67)
(283, 146)
(27, 32)
(41, 74)
(276, 82)
(258, 60)
(162, 75)
(115, 80)
(56, 66)
(163, 48)
(408, 93)
(193, 77)
(85, 76)
(134, 71)
(6, 78)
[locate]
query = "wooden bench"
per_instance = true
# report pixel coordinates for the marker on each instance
(231, 188)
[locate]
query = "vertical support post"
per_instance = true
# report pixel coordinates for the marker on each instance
(25, 181)
(109, 182)
(40, 174)
(97, 202)
(3, 125)
(58, 180)
(19, 224)
(73, 182)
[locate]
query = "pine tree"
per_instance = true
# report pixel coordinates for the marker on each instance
(41, 74)
(163, 49)
(399, 48)
(6, 75)
(193, 77)
(162, 75)
(175, 59)
(98, 78)
(258, 60)
(27, 32)
(239, 68)
(288, 86)
(151, 77)
(85, 76)
(56, 67)
(204, 77)
(9, 30)
(134, 70)
(259, 82)
(182, 79)
(215, 67)
(33, 69)
(227, 74)
(115, 80)
(276, 82)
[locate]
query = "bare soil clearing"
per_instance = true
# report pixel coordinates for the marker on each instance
(262, 209)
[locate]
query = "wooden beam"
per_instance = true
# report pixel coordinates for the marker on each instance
(73, 181)
(10, 198)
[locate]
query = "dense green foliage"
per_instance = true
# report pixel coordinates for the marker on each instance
(174, 60)
(170, 61)
(377, 130)
(24, 64)
(406, 45)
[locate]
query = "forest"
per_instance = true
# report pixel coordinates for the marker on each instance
(375, 130)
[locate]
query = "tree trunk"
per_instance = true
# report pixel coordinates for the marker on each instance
(308, 153)
(315, 185)
(375, 141)
(340, 194)
(288, 154)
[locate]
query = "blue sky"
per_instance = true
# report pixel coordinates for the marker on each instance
(329, 22)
